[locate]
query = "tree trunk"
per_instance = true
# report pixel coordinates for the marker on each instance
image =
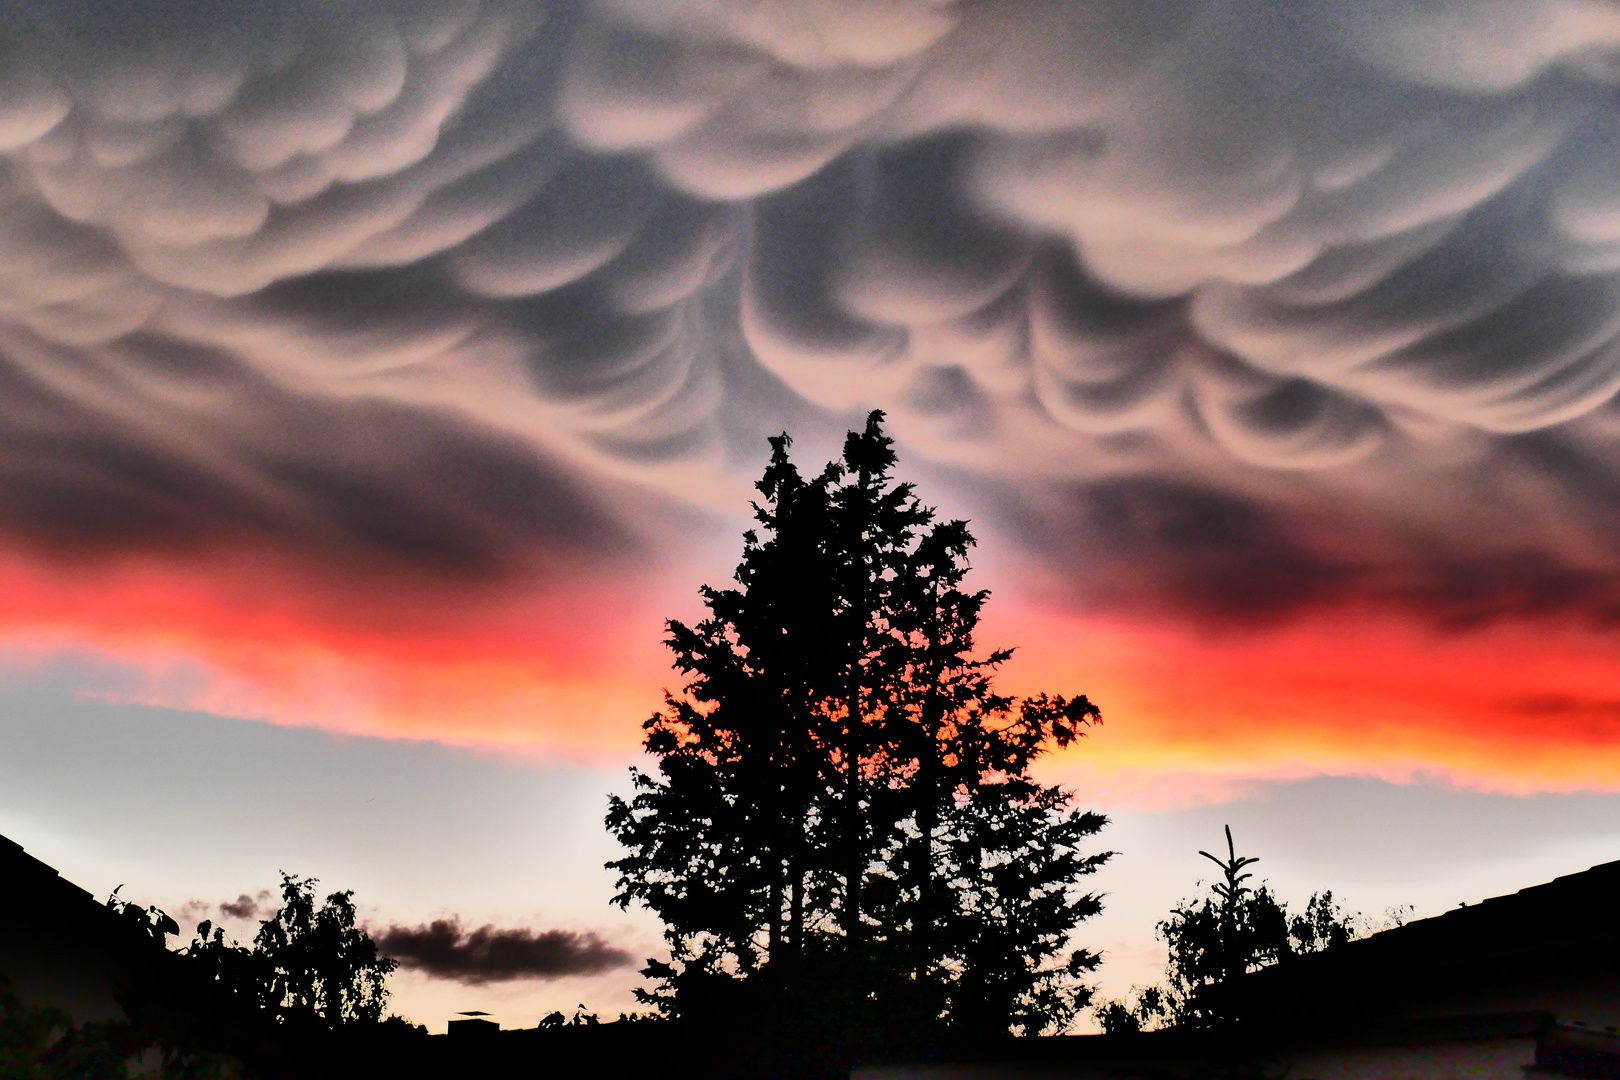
(795, 937)
(928, 770)
(855, 868)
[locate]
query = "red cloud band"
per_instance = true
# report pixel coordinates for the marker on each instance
(1516, 706)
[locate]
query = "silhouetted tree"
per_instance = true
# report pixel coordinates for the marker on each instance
(304, 1001)
(1128, 1017)
(152, 923)
(1325, 925)
(309, 967)
(720, 844)
(1216, 939)
(843, 819)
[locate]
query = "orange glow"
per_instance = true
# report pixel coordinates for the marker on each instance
(1515, 708)
(574, 669)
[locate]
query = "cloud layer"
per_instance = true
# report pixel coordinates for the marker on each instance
(445, 949)
(1213, 312)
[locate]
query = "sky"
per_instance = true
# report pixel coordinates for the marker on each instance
(377, 377)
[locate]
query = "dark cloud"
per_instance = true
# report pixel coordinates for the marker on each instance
(244, 908)
(1200, 550)
(416, 281)
(443, 948)
(231, 459)
(247, 907)
(1146, 545)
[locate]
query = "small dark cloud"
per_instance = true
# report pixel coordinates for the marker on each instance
(243, 908)
(444, 949)
(247, 907)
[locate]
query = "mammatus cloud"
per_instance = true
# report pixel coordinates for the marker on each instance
(443, 948)
(390, 275)
(1216, 313)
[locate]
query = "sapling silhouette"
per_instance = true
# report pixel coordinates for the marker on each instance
(1215, 940)
(1246, 922)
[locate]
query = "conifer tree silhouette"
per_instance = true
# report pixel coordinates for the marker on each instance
(842, 828)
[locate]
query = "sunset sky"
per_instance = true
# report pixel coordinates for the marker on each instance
(376, 376)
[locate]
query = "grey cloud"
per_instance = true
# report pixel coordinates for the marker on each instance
(1165, 547)
(221, 457)
(445, 949)
(421, 276)
(243, 908)
(248, 907)
(1176, 549)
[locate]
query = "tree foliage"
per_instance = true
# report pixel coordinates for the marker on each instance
(149, 923)
(310, 967)
(843, 819)
(303, 1001)
(1215, 939)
